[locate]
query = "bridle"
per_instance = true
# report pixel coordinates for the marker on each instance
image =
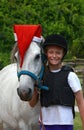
(38, 79)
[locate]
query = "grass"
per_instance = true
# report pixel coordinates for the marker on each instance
(77, 122)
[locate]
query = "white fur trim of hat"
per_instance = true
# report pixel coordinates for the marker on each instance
(37, 39)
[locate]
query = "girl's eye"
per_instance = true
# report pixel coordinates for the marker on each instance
(51, 52)
(58, 52)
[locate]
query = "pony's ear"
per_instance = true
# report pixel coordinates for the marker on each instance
(42, 41)
(14, 50)
(44, 57)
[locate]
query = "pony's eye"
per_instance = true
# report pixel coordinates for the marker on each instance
(37, 57)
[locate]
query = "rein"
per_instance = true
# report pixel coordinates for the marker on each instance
(38, 78)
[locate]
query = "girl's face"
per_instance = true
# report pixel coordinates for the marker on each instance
(54, 55)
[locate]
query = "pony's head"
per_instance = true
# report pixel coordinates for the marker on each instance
(29, 72)
(28, 58)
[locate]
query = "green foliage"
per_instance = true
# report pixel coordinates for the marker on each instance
(4, 59)
(77, 122)
(64, 17)
(77, 48)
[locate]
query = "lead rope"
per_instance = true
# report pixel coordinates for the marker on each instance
(41, 120)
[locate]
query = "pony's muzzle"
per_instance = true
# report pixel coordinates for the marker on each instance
(25, 95)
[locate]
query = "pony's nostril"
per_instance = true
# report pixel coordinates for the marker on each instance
(29, 91)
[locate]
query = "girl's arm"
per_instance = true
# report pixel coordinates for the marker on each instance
(80, 103)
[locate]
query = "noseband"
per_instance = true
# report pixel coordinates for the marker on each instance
(38, 78)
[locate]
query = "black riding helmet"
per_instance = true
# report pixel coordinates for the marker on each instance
(55, 39)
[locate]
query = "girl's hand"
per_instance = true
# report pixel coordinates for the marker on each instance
(35, 98)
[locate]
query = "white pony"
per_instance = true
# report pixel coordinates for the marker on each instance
(15, 113)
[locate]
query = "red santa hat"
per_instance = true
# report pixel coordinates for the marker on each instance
(24, 35)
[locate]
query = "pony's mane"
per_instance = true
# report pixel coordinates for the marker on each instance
(14, 50)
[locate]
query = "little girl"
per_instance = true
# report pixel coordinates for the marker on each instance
(57, 104)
